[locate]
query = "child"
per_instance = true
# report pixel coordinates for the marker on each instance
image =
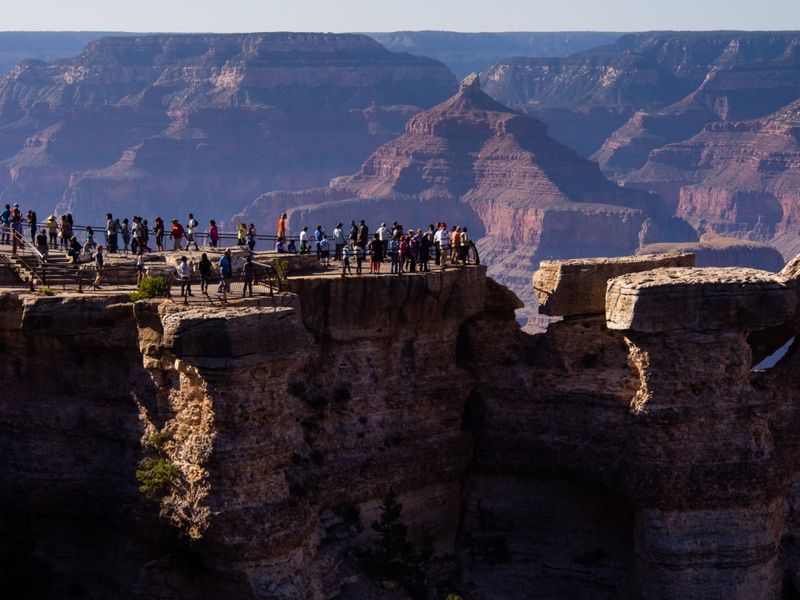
(325, 250)
(346, 254)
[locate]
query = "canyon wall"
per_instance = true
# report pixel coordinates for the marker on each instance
(168, 124)
(629, 451)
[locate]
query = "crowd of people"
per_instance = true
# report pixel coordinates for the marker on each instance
(407, 251)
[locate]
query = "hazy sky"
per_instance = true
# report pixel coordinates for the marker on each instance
(390, 15)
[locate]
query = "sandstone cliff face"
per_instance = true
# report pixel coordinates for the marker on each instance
(202, 121)
(287, 426)
(627, 452)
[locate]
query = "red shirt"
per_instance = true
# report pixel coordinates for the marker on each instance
(177, 231)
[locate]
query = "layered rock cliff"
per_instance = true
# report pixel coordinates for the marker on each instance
(627, 452)
(167, 123)
(472, 161)
(654, 88)
(737, 178)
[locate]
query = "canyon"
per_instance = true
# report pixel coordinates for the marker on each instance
(473, 162)
(145, 124)
(629, 451)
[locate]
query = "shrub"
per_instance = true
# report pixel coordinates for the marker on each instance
(46, 291)
(155, 476)
(281, 266)
(150, 287)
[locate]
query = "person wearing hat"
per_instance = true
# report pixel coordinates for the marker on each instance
(383, 237)
(52, 231)
(184, 275)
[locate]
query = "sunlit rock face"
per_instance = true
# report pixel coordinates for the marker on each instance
(203, 123)
(472, 161)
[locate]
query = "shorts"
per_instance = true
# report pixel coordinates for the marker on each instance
(326, 254)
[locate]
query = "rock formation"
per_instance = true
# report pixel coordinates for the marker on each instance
(716, 251)
(465, 53)
(202, 123)
(649, 89)
(472, 161)
(627, 452)
(736, 178)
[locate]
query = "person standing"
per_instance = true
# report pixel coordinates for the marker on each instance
(383, 237)
(126, 235)
(325, 251)
(318, 235)
(205, 273)
(140, 266)
(109, 230)
(158, 230)
(442, 242)
(248, 274)
(282, 226)
(251, 237)
(52, 231)
(185, 277)
(225, 271)
(375, 254)
(32, 225)
(98, 266)
(5, 223)
(394, 251)
(115, 227)
(347, 253)
(362, 236)
(191, 230)
(304, 240)
(241, 234)
(464, 247)
(338, 242)
(213, 233)
(177, 235)
(455, 245)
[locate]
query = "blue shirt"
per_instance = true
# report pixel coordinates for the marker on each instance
(225, 266)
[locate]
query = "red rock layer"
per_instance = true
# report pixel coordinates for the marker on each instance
(738, 178)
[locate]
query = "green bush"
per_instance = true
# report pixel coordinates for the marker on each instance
(150, 287)
(46, 291)
(281, 266)
(155, 476)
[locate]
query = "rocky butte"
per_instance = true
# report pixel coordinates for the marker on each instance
(472, 161)
(203, 123)
(629, 451)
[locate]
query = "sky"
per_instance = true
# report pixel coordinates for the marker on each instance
(388, 15)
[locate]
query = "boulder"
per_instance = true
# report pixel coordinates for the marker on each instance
(691, 299)
(578, 287)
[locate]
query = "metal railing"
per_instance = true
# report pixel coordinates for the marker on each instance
(31, 263)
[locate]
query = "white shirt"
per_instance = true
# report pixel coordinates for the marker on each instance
(383, 233)
(443, 237)
(184, 270)
(303, 236)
